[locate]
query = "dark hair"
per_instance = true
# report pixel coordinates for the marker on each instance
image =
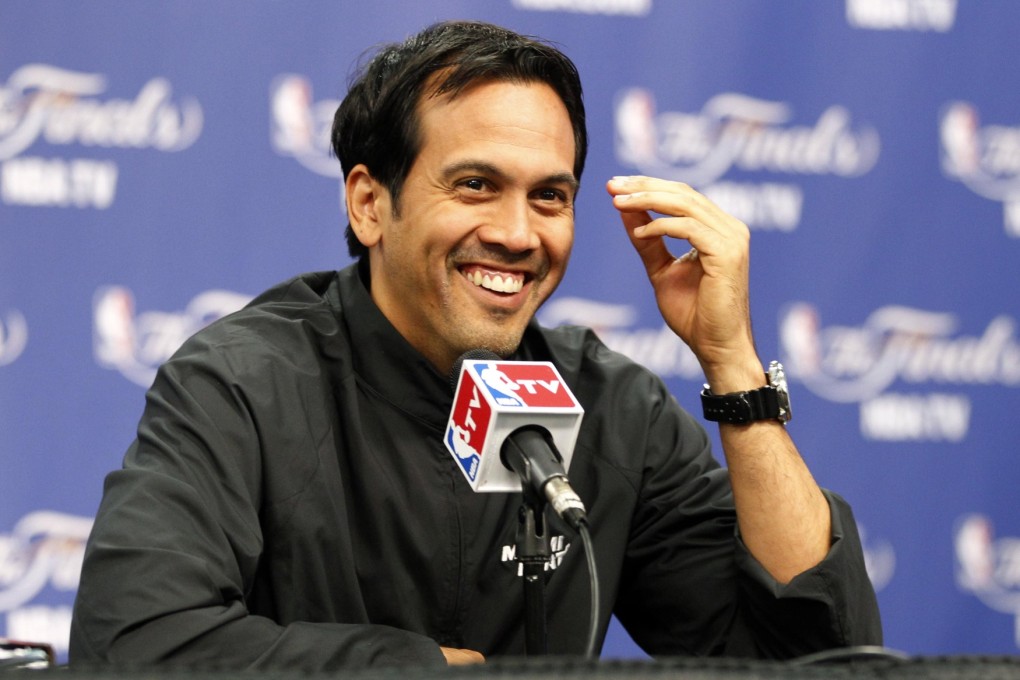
(377, 123)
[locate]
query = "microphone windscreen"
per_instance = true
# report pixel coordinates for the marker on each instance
(470, 355)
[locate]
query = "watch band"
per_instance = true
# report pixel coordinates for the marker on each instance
(771, 402)
(741, 407)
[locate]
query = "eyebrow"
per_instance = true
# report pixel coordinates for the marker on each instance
(484, 168)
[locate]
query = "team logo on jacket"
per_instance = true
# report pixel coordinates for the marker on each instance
(558, 547)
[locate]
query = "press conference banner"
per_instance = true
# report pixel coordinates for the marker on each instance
(163, 162)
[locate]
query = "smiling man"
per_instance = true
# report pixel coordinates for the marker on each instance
(289, 502)
(482, 230)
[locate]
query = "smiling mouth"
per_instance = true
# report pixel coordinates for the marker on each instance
(505, 282)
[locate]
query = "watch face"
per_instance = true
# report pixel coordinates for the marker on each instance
(777, 379)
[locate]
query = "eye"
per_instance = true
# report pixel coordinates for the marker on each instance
(551, 195)
(474, 189)
(474, 184)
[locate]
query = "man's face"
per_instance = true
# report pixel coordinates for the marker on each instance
(486, 221)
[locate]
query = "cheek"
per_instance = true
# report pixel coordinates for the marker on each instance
(447, 229)
(559, 244)
(419, 241)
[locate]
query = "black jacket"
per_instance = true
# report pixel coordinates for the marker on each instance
(289, 503)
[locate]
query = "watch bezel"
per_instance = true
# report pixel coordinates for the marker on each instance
(777, 379)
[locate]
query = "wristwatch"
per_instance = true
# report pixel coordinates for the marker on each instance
(771, 402)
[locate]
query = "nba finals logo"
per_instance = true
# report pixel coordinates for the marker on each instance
(986, 566)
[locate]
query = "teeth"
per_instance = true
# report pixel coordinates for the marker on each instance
(496, 283)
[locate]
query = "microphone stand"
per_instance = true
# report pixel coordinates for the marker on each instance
(533, 552)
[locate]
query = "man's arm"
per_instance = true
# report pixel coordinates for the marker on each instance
(703, 296)
(173, 566)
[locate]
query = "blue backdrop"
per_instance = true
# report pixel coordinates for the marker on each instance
(162, 162)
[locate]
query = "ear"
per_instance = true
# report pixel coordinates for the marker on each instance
(368, 205)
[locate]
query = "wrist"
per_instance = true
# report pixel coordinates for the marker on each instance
(735, 377)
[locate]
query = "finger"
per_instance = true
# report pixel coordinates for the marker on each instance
(695, 207)
(718, 246)
(622, 184)
(671, 198)
(639, 183)
(652, 250)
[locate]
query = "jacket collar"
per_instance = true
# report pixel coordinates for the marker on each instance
(384, 361)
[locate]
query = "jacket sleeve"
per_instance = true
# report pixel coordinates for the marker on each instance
(690, 586)
(829, 606)
(177, 546)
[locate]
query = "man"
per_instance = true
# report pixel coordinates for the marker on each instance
(289, 501)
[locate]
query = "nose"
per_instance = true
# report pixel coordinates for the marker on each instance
(511, 226)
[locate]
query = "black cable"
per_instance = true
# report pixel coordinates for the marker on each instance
(593, 626)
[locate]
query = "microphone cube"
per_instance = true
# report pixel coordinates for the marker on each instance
(493, 399)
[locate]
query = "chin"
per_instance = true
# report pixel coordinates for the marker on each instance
(502, 344)
(502, 349)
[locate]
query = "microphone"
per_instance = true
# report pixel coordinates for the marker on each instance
(515, 423)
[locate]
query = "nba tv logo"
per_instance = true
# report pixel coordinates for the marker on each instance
(496, 397)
